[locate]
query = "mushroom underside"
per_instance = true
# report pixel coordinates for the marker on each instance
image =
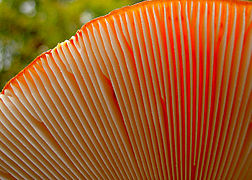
(157, 90)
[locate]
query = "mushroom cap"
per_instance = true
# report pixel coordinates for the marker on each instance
(157, 90)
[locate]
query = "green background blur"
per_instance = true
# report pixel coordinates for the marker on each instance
(30, 27)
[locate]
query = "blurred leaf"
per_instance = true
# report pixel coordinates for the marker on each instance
(30, 27)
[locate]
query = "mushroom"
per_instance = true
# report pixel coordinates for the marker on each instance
(157, 90)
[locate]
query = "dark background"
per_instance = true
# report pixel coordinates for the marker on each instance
(30, 27)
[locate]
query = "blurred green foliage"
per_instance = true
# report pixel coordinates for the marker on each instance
(30, 27)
